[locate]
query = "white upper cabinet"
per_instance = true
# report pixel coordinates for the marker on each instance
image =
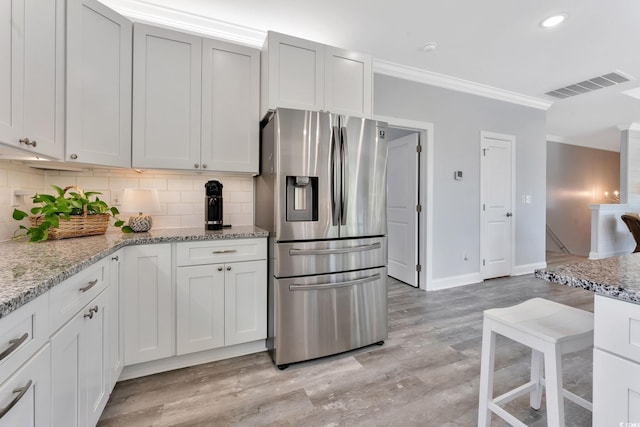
(230, 116)
(348, 82)
(166, 98)
(195, 102)
(292, 73)
(32, 76)
(99, 55)
(301, 74)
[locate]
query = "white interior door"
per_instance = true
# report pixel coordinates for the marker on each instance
(402, 216)
(496, 210)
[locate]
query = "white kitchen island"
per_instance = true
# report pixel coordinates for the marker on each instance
(616, 355)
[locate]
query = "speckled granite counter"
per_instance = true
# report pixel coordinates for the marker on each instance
(28, 270)
(616, 277)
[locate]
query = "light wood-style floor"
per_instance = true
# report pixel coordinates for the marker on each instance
(426, 373)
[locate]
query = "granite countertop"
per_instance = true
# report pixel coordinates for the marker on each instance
(616, 277)
(28, 270)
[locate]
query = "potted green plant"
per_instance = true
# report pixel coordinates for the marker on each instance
(70, 213)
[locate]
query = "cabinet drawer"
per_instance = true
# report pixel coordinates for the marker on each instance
(26, 396)
(22, 332)
(219, 251)
(617, 327)
(73, 294)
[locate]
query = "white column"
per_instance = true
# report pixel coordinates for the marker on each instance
(630, 164)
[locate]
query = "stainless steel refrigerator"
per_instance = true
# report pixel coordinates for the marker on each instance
(322, 196)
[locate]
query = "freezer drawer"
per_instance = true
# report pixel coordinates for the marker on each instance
(322, 315)
(328, 256)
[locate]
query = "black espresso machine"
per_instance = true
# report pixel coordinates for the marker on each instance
(213, 205)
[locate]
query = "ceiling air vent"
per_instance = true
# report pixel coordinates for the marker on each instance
(590, 85)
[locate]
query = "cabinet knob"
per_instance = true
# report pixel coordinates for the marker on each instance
(195, 165)
(204, 166)
(115, 258)
(73, 156)
(219, 268)
(228, 268)
(27, 141)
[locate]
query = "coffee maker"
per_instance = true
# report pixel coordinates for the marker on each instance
(213, 205)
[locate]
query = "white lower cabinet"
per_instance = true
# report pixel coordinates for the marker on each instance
(148, 304)
(116, 324)
(25, 396)
(80, 367)
(616, 363)
(220, 305)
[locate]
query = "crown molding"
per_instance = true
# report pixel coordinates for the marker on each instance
(140, 10)
(440, 80)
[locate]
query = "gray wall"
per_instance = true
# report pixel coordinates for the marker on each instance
(576, 178)
(458, 119)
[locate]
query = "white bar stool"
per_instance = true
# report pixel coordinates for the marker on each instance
(550, 329)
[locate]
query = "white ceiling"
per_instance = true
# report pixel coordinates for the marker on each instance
(498, 43)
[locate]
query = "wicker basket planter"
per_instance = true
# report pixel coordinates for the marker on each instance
(70, 213)
(77, 226)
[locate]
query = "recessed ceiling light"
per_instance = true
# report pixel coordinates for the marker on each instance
(553, 21)
(430, 46)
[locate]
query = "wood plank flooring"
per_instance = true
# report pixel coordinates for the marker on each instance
(426, 373)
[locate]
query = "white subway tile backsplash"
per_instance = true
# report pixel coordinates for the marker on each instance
(177, 184)
(179, 209)
(181, 194)
(241, 197)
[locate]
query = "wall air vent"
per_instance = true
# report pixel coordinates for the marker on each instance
(590, 85)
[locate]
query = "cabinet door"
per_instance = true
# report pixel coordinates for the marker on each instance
(200, 308)
(30, 388)
(32, 75)
(79, 366)
(616, 390)
(295, 73)
(11, 70)
(348, 82)
(245, 305)
(116, 324)
(166, 98)
(230, 121)
(99, 55)
(148, 304)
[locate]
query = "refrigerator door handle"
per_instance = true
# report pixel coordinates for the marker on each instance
(335, 168)
(344, 193)
(350, 249)
(325, 286)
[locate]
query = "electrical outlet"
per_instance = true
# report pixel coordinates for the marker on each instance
(116, 197)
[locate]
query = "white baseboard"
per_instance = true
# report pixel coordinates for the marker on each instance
(454, 281)
(185, 360)
(520, 270)
(600, 255)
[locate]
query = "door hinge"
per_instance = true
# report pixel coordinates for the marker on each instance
(484, 151)
(483, 263)
(418, 268)
(483, 207)
(418, 148)
(418, 208)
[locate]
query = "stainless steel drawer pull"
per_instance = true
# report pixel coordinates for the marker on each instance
(324, 286)
(89, 286)
(331, 251)
(225, 251)
(14, 345)
(21, 392)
